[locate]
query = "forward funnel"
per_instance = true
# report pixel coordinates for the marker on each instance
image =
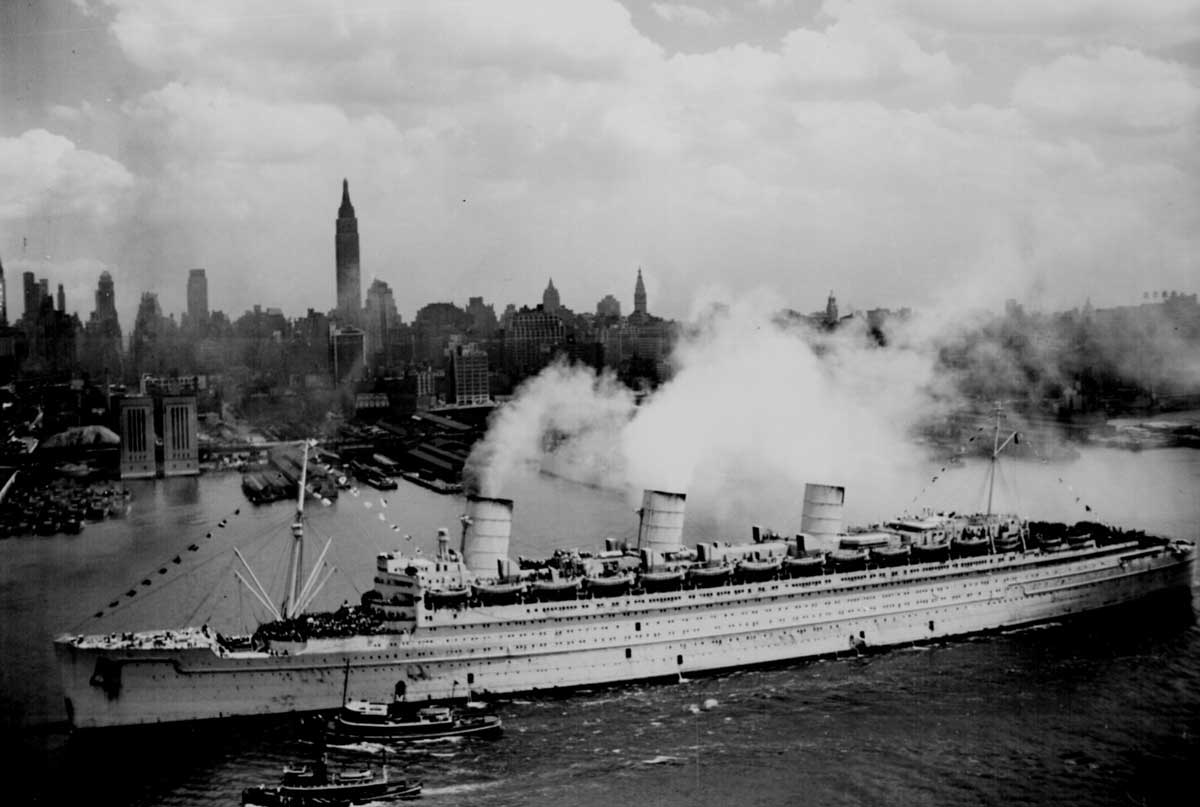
(486, 528)
(821, 518)
(661, 527)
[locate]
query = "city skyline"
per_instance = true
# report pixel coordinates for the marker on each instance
(898, 152)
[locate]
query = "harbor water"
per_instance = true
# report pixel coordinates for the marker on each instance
(1097, 711)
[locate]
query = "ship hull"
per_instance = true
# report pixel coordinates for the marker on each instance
(532, 647)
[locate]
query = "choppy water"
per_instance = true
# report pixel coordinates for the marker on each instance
(1092, 712)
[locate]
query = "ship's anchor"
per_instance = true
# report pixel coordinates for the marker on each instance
(107, 676)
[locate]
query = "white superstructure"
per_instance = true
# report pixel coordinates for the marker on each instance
(433, 628)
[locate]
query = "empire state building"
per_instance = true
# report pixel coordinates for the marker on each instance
(349, 283)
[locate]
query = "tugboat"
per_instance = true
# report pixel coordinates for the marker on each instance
(316, 785)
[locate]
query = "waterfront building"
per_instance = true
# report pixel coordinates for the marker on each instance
(137, 437)
(181, 450)
(349, 284)
(197, 300)
(469, 376)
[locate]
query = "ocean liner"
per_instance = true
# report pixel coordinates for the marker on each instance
(471, 622)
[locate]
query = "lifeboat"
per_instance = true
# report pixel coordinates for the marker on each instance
(705, 576)
(806, 566)
(1079, 540)
(891, 555)
(1008, 543)
(849, 560)
(970, 547)
(498, 593)
(447, 597)
(662, 581)
(754, 570)
(553, 590)
(931, 553)
(613, 585)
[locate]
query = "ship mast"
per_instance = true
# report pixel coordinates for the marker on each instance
(293, 601)
(997, 447)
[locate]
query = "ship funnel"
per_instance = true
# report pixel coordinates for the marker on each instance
(821, 519)
(661, 527)
(486, 528)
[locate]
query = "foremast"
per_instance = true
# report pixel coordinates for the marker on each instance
(298, 595)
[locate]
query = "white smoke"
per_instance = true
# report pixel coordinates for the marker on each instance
(568, 411)
(750, 414)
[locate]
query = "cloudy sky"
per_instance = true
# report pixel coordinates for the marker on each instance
(899, 151)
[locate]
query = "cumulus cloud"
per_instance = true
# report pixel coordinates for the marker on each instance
(1151, 22)
(1116, 89)
(884, 149)
(45, 173)
(687, 14)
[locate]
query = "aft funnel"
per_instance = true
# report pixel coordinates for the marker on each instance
(821, 517)
(486, 528)
(661, 527)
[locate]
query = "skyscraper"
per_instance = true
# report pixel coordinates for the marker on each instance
(639, 295)
(197, 299)
(349, 285)
(3, 298)
(62, 300)
(106, 299)
(33, 297)
(550, 299)
(381, 319)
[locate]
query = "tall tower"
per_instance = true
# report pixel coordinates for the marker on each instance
(106, 298)
(33, 297)
(197, 299)
(349, 285)
(831, 310)
(3, 299)
(550, 300)
(639, 295)
(62, 300)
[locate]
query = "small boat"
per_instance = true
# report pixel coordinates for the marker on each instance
(705, 576)
(554, 590)
(754, 570)
(891, 555)
(1079, 540)
(671, 580)
(970, 547)
(447, 597)
(849, 560)
(403, 721)
(498, 593)
(316, 785)
(931, 553)
(608, 585)
(805, 565)
(1008, 543)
